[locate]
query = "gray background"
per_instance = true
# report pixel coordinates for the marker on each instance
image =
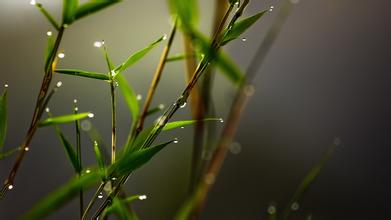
(327, 75)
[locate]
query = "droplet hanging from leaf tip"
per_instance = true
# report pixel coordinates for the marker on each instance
(61, 55)
(59, 84)
(176, 141)
(98, 44)
(91, 115)
(221, 120)
(47, 109)
(49, 33)
(33, 2)
(10, 186)
(139, 97)
(6, 85)
(142, 197)
(26, 149)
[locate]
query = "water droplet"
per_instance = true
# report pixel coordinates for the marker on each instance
(90, 115)
(244, 39)
(295, 206)
(270, 9)
(59, 84)
(271, 209)
(47, 109)
(100, 195)
(165, 37)
(26, 149)
(75, 101)
(210, 178)
(86, 125)
(139, 97)
(10, 186)
(61, 55)
(249, 90)
(142, 197)
(221, 120)
(161, 106)
(114, 178)
(337, 141)
(49, 33)
(88, 171)
(76, 109)
(176, 141)
(98, 44)
(183, 105)
(182, 127)
(237, 4)
(33, 2)
(235, 148)
(6, 85)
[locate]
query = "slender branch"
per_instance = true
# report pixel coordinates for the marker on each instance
(156, 79)
(241, 99)
(79, 160)
(93, 200)
(113, 121)
(8, 183)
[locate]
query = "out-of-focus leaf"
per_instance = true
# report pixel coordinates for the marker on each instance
(177, 124)
(3, 118)
(69, 149)
(129, 96)
(240, 27)
(132, 59)
(82, 73)
(8, 153)
(64, 119)
(131, 161)
(98, 156)
(186, 11)
(48, 16)
(69, 8)
(154, 110)
(115, 209)
(49, 51)
(93, 6)
(177, 57)
(305, 184)
(61, 196)
(229, 68)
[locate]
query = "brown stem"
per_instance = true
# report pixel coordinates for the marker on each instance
(156, 79)
(8, 183)
(241, 99)
(113, 121)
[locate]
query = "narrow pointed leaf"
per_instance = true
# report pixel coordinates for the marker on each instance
(69, 8)
(93, 6)
(129, 96)
(153, 111)
(61, 196)
(48, 16)
(177, 57)
(177, 124)
(310, 177)
(137, 56)
(63, 119)
(229, 68)
(98, 156)
(130, 162)
(69, 149)
(3, 118)
(240, 27)
(8, 153)
(82, 73)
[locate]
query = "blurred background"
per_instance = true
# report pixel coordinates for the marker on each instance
(326, 76)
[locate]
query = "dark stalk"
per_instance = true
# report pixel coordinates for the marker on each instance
(79, 160)
(8, 183)
(245, 92)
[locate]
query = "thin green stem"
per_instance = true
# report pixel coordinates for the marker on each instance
(93, 200)
(113, 122)
(79, 160)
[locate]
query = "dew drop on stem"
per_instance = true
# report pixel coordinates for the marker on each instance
(47, 109)
(6, 85)
(100, 195)
(244, 39)
(59, 84)
(75, 101)
(33, 2)
(271, 209)
(139, 97)
(176, 141)
(10, 186)
(61, 55)
(221, 120)
(295, 206)
(91, 115)
(49, 33)
(142, 197)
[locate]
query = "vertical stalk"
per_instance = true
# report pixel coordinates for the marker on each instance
(79, 160)
(113, 121)
(40, 105)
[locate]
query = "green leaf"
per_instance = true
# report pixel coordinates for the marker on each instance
(132, 59)
(98, 156)
(69, 149)
(310, 177)
(187, 12)
(3, 118)
(177, 57)
(129, 96)
(229, 68)
(131, 161)
(8, 153)
(119, 209)
(69, 8)
(82, 73)
(48, 16)
(240, 27)
(49, 51)
(61, 196)
(64, 119)
(177, 124)
(93, 6)
(154, 110)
